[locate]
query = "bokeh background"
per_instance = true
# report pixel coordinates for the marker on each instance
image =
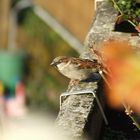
(35, 32)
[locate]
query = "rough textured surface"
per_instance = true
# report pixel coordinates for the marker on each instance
(76, 109)
(103, 26)
(75, 114)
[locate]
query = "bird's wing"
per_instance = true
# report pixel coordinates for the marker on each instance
(86, 63)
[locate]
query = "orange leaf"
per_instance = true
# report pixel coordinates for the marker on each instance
(124, 78)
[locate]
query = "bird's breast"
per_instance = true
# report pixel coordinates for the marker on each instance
(73, 72)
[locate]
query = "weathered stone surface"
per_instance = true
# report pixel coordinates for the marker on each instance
(103, 24)
(75, 110)
(103, 27)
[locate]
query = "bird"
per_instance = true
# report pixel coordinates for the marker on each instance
(76, 68)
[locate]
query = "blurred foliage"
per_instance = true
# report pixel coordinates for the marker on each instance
(130, 8)
(42, 45)
(129, 11)
(122, 61)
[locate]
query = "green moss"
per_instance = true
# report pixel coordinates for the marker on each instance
(129, 9)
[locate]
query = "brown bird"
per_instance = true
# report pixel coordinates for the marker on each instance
(76, 68)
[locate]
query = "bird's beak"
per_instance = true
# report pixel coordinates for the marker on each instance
(53, 64)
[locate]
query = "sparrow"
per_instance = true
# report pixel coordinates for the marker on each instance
(76, 68)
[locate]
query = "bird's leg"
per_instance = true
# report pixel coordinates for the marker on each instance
(73, 82)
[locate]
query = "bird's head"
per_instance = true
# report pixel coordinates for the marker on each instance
(58, 60)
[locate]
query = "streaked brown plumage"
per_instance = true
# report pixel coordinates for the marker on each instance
(76, 68)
